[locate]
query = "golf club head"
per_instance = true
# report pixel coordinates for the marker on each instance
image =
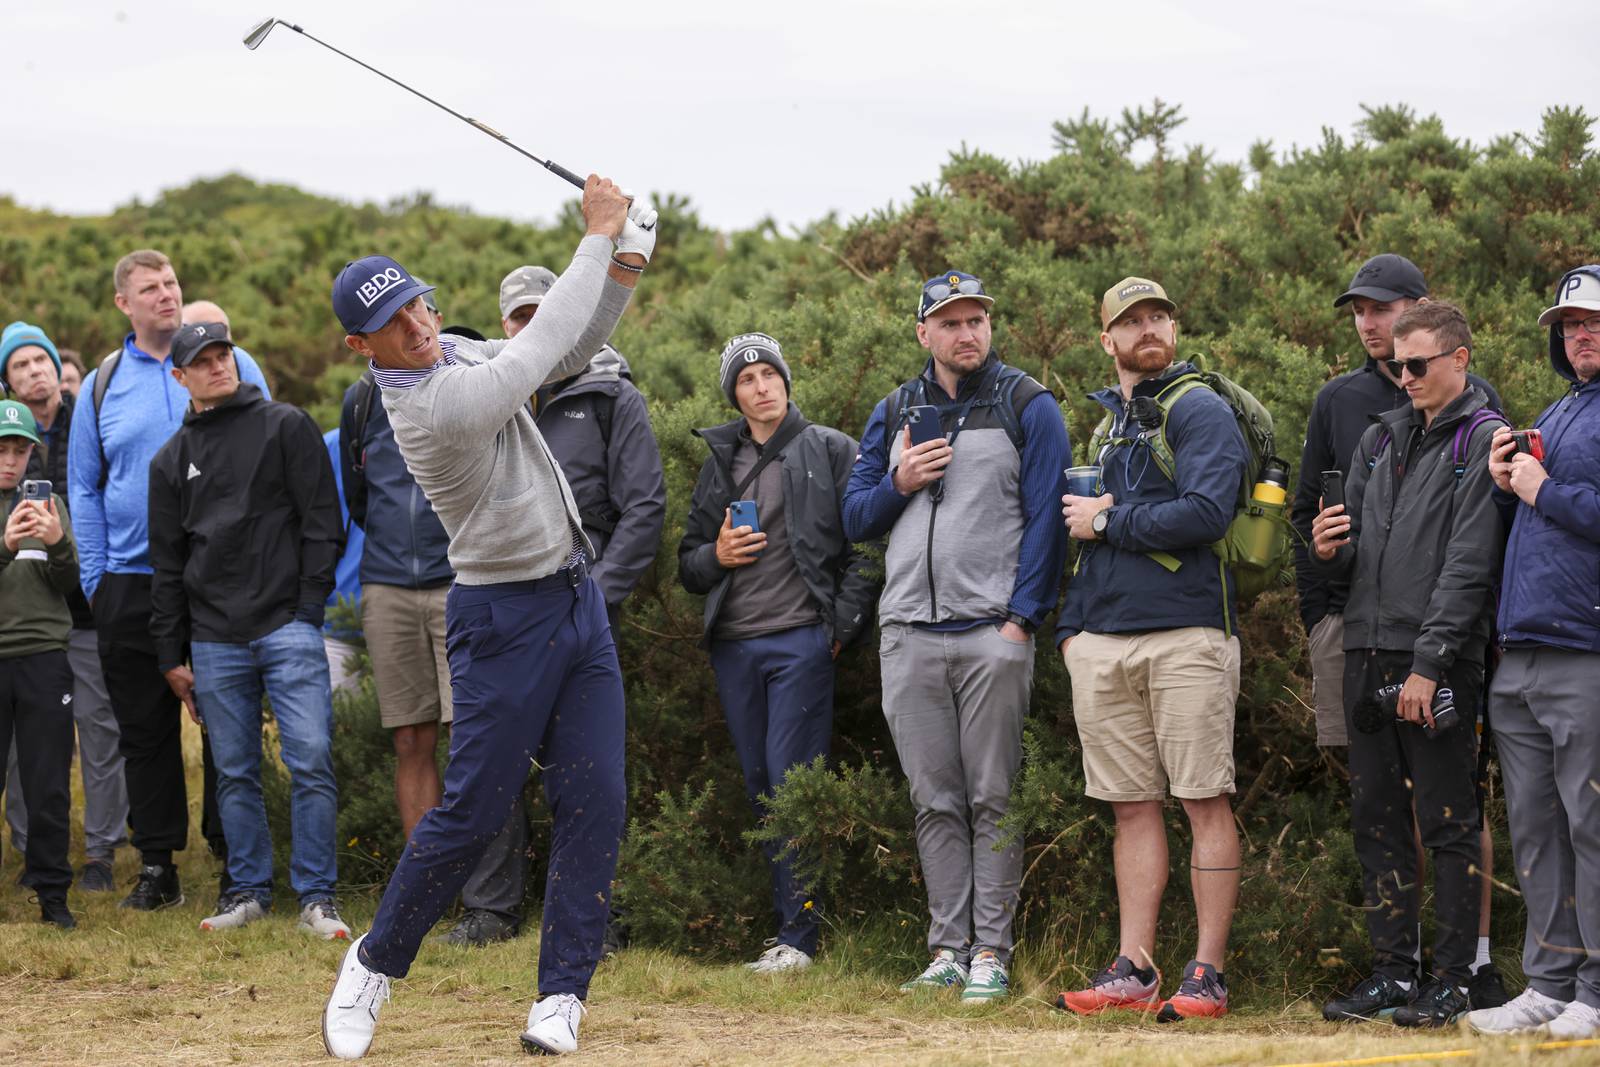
(253, 39)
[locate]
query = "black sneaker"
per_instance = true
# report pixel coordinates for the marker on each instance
(158, 888)
(1438, 1005)
(1377, 997)
(478, 928)
(96, 877)
(53, 910)
(1487, 989)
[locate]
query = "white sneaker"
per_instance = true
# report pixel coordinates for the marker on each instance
(1523, 1014)
(1576, 1022)
(321, 917)
(234, 912)
(780, 958)
(553, 1025)
(353, 1006)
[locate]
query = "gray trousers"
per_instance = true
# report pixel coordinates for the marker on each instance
(955, 703)
(500, 878)
(105, 793)
(1545, 711)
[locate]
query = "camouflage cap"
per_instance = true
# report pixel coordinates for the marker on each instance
(523, 286)
(1128, 292)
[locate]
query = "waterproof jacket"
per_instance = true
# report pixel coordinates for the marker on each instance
(1343, 410)
(51, 462)
(35, 582)
(816, 465)
(1425, 545)
(598, 429)
(1551, 592)
(405, 543)
(1116, 586)
(244, 525)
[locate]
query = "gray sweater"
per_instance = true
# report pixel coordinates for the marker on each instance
(468, 438)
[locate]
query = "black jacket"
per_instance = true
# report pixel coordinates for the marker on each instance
(816, 464)
(1425, 546)
(244, 525)
(598, 429)
(51, 463)
(1343, 410)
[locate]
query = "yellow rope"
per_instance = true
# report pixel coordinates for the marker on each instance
(1450, 1054)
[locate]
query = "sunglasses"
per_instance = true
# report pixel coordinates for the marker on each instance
(939, 290)
(1417, 367)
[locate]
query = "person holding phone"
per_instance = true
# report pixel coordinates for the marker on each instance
(785, 592)
(38, 571)
(974, 557)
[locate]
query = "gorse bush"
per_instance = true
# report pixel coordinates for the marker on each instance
(1253, 253)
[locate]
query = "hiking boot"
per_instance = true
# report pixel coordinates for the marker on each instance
(553, 1025)
(1438, 1004)
(780, 958)
(1121, 985)
(1525, 1015)
(233, 913)
(96, 877)
(1201, 995)
(1377, 997)
(987, 980)
(1486, 989)
(944, 972)
(478, 928)
(53, 910)
(321, 917)
(158, 888)
(1577, 1022)
(351, 1014)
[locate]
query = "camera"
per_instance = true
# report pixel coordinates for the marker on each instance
(1529, 442)
(1379, 709)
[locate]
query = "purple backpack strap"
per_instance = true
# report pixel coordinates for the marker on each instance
(1464, 432)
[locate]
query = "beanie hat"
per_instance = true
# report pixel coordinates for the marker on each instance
(746, 349)
(21, 334)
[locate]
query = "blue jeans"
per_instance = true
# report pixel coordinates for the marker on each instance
(291, 666)
(777, 695)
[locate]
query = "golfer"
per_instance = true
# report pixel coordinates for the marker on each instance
(533, 669)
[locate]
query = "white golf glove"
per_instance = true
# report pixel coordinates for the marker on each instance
(639, 231)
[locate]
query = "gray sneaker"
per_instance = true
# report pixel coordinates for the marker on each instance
(96, 877)
(234, 913)
(321, 917)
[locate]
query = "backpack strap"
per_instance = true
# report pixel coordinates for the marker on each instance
(1383, 441)
(1171, 393)
(602, 406)
(363, 411)
(1463, 441)
(102, 382)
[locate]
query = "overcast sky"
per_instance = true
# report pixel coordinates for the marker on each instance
(750, 109)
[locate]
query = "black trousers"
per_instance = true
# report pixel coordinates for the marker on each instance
(149, 717)
(1398, 769)
(36, 710)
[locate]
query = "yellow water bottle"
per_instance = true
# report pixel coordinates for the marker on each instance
(1267, 500)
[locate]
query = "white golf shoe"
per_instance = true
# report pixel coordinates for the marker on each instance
(352, 1011)
(1577, 1022)
(553, 1025)
(1523, 1014)
(780, 958)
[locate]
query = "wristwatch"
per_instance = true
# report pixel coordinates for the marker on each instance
(1022, 621)
(1101, 520)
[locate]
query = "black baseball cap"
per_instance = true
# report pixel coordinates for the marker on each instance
(191, 339)
(1386, 277)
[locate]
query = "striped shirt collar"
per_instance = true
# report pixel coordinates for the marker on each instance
(405, 378)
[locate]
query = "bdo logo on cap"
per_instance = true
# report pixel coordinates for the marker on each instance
(380, 283)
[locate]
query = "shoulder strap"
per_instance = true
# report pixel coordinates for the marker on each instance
(363, 411)
(1014, 390)
(1167, 398)
(1463, 441)
(1384, 438)
(769, 452)
(102, 382)
(909, 395)
(601, 406)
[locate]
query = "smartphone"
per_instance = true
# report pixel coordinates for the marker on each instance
(924, 422)
(1332, 489)
(743, 513)
(1530, 442)
(36, 489)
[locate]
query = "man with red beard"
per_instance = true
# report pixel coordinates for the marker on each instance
(1149, 645)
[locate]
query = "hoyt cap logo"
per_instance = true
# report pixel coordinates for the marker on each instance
(368, 292)
(1128, 292)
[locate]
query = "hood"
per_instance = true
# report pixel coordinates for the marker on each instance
(722, 439)
(1558, 347)
(1111, 396)
(246, 396)
(604, 373)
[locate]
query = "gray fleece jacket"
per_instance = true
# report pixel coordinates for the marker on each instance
(467, 435)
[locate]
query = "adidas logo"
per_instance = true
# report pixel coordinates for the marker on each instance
(66, 698)
(194, 472)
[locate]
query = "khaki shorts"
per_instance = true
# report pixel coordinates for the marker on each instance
(1326, 646)
(1155, 708)
(405, 638)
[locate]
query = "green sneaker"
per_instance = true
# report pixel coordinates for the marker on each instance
(945, 972)
(988, 980)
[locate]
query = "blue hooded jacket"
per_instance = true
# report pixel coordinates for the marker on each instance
(1551, 590)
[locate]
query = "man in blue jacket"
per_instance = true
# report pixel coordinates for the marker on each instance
(112, 441)
(971, 568)
(1152, 652)
(1546, 716)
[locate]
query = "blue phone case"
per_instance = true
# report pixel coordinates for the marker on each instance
(924, 423)
(744, 514)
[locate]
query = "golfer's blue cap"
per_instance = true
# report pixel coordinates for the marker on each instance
(368, 292)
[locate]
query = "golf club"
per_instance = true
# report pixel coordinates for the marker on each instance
(253, 39)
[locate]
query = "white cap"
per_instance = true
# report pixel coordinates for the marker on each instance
(1577, 289)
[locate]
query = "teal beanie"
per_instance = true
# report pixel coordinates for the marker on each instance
(19, 335)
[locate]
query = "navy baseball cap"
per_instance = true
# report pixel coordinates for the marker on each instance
(368, 292)
(947, 288)
(1385, 278)
(194, 338)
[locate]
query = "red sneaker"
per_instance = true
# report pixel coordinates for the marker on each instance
(1118, 986)
(1202, 995)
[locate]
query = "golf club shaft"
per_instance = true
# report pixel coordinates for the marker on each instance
(553, 167)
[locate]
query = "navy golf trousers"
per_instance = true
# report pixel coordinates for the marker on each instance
(534, 678)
